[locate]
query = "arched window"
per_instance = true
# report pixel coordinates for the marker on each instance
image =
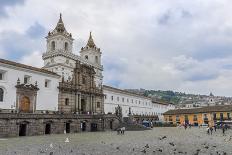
(86, 57)
(1, 94)
(53, 45)
(96, 59)
(66, 46)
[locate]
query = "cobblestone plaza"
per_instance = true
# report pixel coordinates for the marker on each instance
(160, 141)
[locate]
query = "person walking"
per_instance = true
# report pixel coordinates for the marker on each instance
(207, 129)
(185, 126)
(223, 129)
(215, 127)
(211, 130)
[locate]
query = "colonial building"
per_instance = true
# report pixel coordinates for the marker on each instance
(132, 103)
(199, 116)
(66, 94)
(26, 89)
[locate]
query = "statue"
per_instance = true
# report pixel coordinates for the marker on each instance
(118, 112)
(129, 110)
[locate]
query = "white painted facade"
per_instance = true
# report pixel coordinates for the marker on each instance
(47, 97)
(138, 104)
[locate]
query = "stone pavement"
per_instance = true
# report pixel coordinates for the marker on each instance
(159, 141)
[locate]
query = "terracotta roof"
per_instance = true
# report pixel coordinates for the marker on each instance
(219, 108)
(12, 63)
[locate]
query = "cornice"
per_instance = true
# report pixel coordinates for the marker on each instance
(69, 55)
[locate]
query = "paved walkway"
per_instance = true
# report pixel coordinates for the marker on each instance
(160, 141)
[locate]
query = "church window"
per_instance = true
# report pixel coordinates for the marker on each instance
(53, 45)
(86, 57)
(105, 96)
(67, 61)
(67, 101)
(1, 76)
(112, 98)
(27, 79)
(117, 98)
(98, 104)
(83, 80)
(1, 94)
(47, 83)
(123, 99)
(96, 59)
(66, 46)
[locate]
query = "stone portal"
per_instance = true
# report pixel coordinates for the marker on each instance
(26, 97)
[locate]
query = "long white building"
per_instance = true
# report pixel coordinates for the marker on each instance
(26, 88)
(132, 103)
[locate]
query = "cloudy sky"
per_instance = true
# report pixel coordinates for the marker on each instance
(179, 45)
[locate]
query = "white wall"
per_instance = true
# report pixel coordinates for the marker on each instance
(140, 106)
(47, 98)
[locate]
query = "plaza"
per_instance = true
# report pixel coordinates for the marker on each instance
(160, 141)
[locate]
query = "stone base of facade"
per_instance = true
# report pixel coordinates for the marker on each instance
(18, 124)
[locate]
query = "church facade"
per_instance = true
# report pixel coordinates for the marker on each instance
(80, 87)
(64, 95)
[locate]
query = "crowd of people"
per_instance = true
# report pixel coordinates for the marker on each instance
(210, 128)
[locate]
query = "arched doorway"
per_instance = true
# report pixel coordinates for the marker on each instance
(93, 127)
(83, 126)
(47, 128)
(111, 124)
(67, 127)
(22, 129)
(25, 104)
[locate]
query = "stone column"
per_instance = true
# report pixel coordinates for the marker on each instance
(91, 104)
(94, 104)
(79, 102)
(17, 102)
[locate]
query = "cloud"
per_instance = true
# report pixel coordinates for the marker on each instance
(33, 59)
(16, 45)
(8, 3)
(170, 45)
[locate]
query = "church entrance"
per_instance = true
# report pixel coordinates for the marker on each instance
(47, 128)
(83, 105)
(93, 126)
(83, 126)
(67, 127)
(25, 104)
(22, 129)
(111, 125)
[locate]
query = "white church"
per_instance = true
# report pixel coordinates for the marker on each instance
(25, 88)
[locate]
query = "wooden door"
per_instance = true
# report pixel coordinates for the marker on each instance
(25, 104)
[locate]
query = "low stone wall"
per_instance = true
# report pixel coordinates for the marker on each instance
(15, 124)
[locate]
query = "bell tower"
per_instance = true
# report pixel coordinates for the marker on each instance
(92, 54)
(59, 39)
(59, 48)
